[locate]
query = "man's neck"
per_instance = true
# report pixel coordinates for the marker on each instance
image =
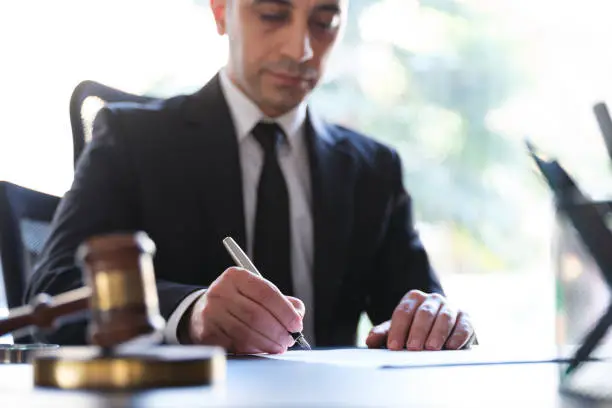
(246, 114)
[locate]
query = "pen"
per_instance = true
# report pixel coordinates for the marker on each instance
(243, 261)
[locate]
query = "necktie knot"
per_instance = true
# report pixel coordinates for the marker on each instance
(269, 135)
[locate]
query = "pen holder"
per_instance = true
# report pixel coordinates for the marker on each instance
(582, 295)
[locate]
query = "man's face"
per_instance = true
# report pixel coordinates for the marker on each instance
(278, 48)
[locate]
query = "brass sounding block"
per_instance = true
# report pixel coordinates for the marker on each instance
(125, 327)
(151, 367)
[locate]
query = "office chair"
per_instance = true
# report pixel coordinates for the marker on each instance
(87, 99)
(25, 219)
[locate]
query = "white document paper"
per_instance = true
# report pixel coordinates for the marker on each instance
(381, 358)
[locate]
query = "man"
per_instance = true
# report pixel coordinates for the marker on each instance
(320, 208)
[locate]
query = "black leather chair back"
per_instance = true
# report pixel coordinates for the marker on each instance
(25, 223)
(86, 100)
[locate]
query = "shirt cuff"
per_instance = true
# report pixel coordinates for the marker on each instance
(171, 330)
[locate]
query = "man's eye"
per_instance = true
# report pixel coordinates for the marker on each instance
(274, 17)
(326, 23)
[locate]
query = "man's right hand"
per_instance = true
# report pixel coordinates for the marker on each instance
(245, 314)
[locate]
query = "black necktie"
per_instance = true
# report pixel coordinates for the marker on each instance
(272, 247)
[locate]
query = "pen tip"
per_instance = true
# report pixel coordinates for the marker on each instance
(303, 343)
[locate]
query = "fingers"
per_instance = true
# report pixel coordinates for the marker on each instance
(423, 322)
(218, 336)
(258, 319)
(462, 333)
(244, 339)
(268, 296)
(443, 325)
(378, 335)
(298, 305)
(402, 318)
(245, 314)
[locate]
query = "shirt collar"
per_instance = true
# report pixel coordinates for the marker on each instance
(246, 114)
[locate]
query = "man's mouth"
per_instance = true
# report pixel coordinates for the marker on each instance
(287, 79)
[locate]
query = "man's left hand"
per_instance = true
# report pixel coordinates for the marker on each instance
(423, 322)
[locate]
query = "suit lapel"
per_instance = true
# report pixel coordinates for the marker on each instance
(214, 147)
(333, 175)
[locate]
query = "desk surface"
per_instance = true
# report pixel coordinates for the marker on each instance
(265, 383)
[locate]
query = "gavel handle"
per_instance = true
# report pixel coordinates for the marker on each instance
(45, 309)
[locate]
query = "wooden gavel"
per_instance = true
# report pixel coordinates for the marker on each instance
(120, 292)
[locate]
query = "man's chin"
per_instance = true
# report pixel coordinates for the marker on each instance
(277, 105)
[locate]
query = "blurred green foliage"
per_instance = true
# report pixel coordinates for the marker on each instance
(427, 90)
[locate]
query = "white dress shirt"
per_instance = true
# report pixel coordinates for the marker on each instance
(293, 160)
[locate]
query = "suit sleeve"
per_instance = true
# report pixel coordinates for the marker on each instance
(402, 263)
(102, 199)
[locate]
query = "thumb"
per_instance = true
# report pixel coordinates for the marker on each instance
(378, 335)
(298, 305)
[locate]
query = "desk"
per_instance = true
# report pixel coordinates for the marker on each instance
(253, 381)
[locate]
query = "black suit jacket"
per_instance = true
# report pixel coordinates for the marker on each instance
(171, 168)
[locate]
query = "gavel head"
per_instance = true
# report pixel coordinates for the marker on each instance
(124, 304)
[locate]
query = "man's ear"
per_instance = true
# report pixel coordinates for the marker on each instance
(218, 8)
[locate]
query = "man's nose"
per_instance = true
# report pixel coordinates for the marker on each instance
(297, 43)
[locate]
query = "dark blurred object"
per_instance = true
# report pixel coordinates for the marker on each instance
(583, 222)
(582, 293)
(605, 125)
(87, 99)
(25, 218)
